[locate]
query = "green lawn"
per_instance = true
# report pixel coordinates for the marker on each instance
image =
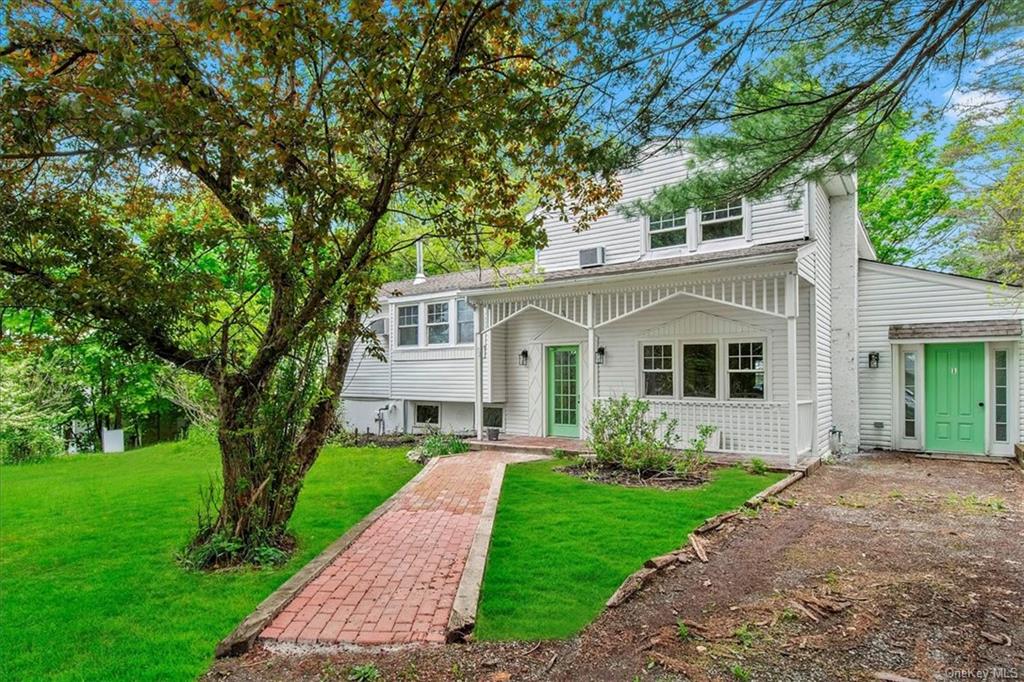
(88, 584)
(562, 546)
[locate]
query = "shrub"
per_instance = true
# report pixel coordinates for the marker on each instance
(622, 436)
(693, 462)
(23, 445)
(756, 466)
(441, 444)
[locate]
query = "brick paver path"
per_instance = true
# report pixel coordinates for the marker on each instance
(397, 582)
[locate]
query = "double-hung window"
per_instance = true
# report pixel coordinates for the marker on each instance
(437, 323)
(745, 369)
(667, 229)
(658, 373)
(409, 325)
(464, 321)
(722, 221)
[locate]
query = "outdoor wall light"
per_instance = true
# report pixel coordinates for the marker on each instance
(523, 357)
(599, 356)
(873, 360)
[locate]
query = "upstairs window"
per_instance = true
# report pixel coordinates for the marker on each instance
(409, 325)
(464, 321)
(746, 370)
(667, 229)
(437, 323)
(658, 375)
(722, 221)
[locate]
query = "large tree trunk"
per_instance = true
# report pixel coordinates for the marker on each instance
(264, 466)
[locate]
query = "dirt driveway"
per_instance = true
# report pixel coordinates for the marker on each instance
(883, 567)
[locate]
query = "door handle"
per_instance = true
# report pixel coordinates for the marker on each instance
(981, 404)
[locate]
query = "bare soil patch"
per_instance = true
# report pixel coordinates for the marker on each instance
(882, 567)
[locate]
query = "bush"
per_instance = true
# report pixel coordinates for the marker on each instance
(622, 436)
(693, 462)
(441, 444)
(24, 445)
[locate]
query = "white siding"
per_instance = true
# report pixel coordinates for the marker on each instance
(892, 295)
(532, 331)
(821, 232)
(367, 377)
(433, 374)
(361, 415)
(777, 218)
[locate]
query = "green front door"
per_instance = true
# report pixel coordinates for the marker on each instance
(954, 387)
(563, 374)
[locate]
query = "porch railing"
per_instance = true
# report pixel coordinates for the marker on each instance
(747, 428)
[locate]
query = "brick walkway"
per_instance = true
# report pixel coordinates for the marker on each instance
(397, 582)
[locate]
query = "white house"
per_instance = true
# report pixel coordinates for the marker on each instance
(768, 319)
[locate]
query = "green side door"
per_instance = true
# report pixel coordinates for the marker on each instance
(563, 391)
(954, 387)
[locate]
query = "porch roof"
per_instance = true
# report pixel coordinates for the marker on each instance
(965, 329)
(484, 279)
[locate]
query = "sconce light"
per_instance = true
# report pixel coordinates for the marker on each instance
(523, 357)
(873, 360)
(599, 356)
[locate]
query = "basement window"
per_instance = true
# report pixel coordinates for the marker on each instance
(428, 414)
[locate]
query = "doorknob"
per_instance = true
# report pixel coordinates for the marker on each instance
(981, 404)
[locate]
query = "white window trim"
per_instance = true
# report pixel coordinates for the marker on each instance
(1012, 397)
(717, 343)
(399, 326)
(447, 323)
(496, 407)
(425, 425)
(721, 344)
(899, 437)
(745, 234)
(765, 354)
(455, 323)
(686, 228)
(674, 371)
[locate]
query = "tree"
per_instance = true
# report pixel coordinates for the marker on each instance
(221, 184)
(907, 197)
(213, 185)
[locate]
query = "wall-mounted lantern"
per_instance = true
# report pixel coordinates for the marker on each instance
(523, 357)
(599, 356)
(873, 360)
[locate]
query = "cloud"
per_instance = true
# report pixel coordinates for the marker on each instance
(983, 106)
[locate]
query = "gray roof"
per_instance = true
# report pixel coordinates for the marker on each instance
(487, 278)
(965, 329)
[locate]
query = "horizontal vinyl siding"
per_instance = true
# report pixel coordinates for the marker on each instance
(891, 296)
(524, 399)
(820, 226)
(366, 377)
(777, 218)
(433, 378)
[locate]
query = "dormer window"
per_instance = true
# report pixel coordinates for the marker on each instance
(722, 222)
(666, 230)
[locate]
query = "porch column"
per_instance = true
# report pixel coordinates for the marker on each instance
(478, 371)
(592, 364)
(792, 309)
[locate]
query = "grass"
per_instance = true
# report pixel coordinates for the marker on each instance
(89, 588)
(562, 545)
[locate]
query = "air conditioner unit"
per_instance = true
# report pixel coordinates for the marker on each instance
(592, 257)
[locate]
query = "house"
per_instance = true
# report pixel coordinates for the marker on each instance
(770, 319)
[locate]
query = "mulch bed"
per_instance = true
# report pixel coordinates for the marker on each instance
(630, 479)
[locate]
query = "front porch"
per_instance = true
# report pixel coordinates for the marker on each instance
(733, 351)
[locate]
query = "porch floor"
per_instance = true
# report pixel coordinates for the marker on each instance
(543, 445)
